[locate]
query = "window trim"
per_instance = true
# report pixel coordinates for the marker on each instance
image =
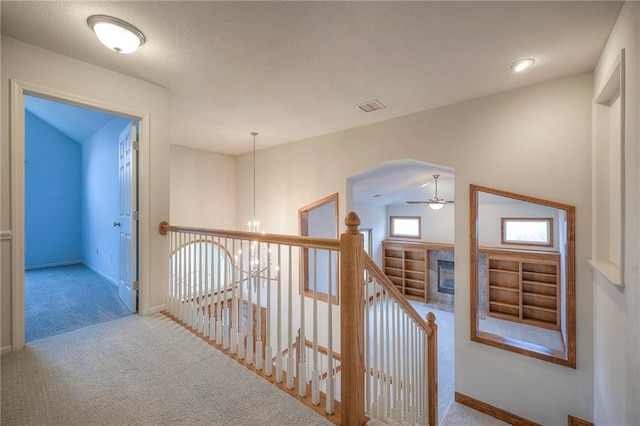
(368, 249)
(548, 220)
(393, 234)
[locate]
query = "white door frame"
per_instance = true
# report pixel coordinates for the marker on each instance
(17, 143)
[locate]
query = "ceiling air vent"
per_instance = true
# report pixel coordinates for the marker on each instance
(371, 106)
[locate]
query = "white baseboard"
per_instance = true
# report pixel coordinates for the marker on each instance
(157, 309)
(53, 265)
(6, 350)
(102, 274)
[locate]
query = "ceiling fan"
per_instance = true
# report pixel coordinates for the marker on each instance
(435, 203)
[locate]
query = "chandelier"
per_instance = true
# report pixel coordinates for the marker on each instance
(253, 260)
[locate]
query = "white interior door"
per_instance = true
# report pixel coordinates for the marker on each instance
(128, 283)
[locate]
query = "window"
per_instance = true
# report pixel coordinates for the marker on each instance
(527, 231)
(320, 219)
(368, 243)
(368, 248)
(405, 226)
(201, 267)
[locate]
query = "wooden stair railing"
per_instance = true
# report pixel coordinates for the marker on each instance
(214, 273)
(428, 327)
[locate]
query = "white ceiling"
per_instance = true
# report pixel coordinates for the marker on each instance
(399, 181)
(294, 70)
(75, 122)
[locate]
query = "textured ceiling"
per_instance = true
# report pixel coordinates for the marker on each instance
(398, 181)
(294, 70)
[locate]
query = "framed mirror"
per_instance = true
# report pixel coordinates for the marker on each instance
(523, 275)
(319, 219)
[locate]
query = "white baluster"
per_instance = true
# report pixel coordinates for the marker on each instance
(189, 319)
(268, 354)
(227, 308)
(384, 364)
(203, 263)
(251, 284)
(234, 302)
(374, 365)
(397, 410)
(206, 303)
(279, 320)
(290, 360)
(315, 374)
(219, 296)
(302, 367)
(241, 339)
(329, 400)
(181, 274)
(168, 302)
(258, 283)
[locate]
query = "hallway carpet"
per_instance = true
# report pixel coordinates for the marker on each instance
(66, 298)
(139, 371)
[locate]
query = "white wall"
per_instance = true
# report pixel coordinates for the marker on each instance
(43, 68)
(485, 141)
(203, 189)
(490, 223)
(616, 312)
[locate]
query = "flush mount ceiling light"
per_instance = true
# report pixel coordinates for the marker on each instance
(116, 34)
(522, 64)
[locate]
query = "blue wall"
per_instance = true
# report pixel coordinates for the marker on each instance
(52, 195)
(101, 200)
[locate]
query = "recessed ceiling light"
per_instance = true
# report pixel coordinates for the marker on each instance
(522, 64)
(116, 34)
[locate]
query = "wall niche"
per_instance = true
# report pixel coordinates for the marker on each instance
(608, 226)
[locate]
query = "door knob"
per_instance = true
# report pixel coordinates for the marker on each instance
(116, 224)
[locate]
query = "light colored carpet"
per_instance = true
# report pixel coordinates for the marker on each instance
(527, 333)
(138, 371)
(461, 415)
(66, 298)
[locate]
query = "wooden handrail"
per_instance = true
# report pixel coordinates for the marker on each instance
(384, 281)
(323, 350)
(291, 240)
(309, 344)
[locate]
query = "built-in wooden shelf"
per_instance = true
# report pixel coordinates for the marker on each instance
(524, 286)
(406, 263)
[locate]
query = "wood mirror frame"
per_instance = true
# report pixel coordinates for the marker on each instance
(306, 227)
(565, 294)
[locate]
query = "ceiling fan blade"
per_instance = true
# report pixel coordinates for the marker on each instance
(418, 202)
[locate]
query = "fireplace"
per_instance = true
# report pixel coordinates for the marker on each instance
(445, 276)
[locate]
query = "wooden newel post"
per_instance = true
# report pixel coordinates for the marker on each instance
(352, 323)
(432, 368)
(162, 228)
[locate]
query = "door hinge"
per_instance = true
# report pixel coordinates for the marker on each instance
(136, 215)
(136, 145)
(136, 285)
